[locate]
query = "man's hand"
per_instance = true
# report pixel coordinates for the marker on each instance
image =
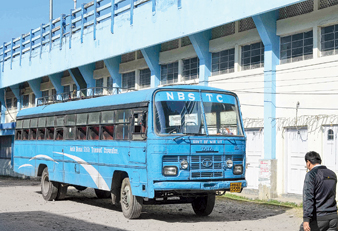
(306, 226)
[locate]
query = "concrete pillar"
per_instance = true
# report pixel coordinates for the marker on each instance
(113, 66)
(200, 42)
(16, 91)
(87, 72)
(56, 81)
(35, 86)
(152, 57)
(267, 27)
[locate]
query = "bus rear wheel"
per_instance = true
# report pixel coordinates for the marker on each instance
(203, 206)
(49, 189)
(131, 205)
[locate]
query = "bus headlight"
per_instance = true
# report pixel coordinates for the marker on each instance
(229, 163)
(238, 170)
(184, 164)
(170, 170)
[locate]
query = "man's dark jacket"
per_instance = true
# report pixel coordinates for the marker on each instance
(319, 202)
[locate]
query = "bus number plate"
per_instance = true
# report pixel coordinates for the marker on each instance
(235, 187)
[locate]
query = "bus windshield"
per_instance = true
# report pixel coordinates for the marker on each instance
(182, 113)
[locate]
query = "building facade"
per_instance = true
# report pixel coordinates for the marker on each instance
(280, 57)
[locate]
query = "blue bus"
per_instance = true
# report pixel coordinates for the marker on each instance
(173, 144)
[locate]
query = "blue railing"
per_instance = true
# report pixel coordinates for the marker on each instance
(51, 34)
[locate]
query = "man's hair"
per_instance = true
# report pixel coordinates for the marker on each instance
(313, 157)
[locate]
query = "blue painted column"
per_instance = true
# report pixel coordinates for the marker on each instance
(16, 91)
(35, 86)
(113, 66)
(56, 81)
(87, 72)
(266, 26)
(152, 57)
(3, 107)
(200, 41)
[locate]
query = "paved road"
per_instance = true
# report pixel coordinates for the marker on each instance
(23, 208)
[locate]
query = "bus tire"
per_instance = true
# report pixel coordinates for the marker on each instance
(203, 206)
(62, 191)
(131, 205)
(49, 189)
(102, 194)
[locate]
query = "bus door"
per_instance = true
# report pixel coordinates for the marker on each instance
(138, 145)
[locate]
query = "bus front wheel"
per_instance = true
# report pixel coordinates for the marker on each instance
(131, 205)
(49, 189)
(203, 206)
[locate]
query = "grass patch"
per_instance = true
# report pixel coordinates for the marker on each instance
(269, 202)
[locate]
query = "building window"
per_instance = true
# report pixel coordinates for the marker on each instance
(223, 62)
(45, 93)
(33, 100)
(296, 47)
(99, 86)
(252, 56)
(9, 104)
(190, 69)
(54, 94)
(25, 101)
(330, 134)
(128, 80)
(329, 40)
(15, 103)
(145, 78)
(110, 85)
(169, 73)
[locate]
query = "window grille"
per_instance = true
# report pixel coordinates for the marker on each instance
(246, 24)
(296, 47)
(252, 56)
(139, 55)
(109, 83)
(170, 45)
(128, 57)
(9, 103)
(25, 101)
(45, 93)
(190, 69)
(99, 65)
(223, 30)
(15, 103)
(223, 62)
(145, 78)
(296, 9)
(169, 73)
(330, 134)
(66, 88)
(329, 40)
(327, 3)
(185, 41)
(128, 80)
(99, 87)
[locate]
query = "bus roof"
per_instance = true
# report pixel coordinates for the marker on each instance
(139, 98)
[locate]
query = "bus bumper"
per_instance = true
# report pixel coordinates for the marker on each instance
(197, 185)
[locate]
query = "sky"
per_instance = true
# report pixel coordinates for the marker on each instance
(19, 16)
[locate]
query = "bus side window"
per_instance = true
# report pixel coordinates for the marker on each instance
(18, 134)
(121, 132)
(32, 134)
(107, 132)
(41, 134)
(139, 125)
(69, 133)
(25, 133)
(59, 134)
(93, 132)
(81, 132)
(50, 133)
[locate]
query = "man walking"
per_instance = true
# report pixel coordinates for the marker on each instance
(319, 196)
